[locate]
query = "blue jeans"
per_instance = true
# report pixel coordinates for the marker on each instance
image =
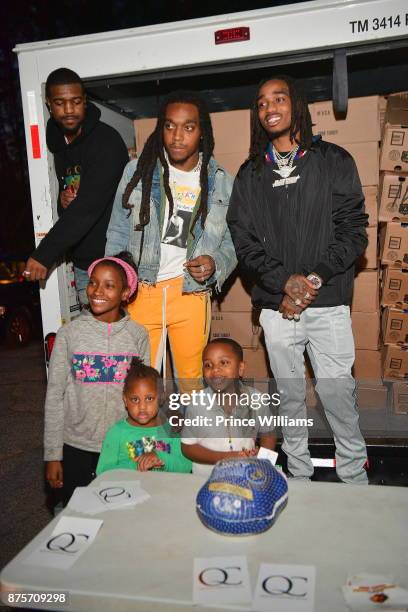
(81, 283)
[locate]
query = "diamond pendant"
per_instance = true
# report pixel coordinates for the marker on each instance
(285, 172)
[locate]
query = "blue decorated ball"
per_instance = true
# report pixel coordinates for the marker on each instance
(242, 496)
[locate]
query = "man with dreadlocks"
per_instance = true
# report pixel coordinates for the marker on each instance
(170, 213)
(298, 224)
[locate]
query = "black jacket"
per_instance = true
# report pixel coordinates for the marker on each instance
(314, 225)
(94, 163)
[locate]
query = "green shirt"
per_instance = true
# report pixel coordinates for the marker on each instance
(123, 442)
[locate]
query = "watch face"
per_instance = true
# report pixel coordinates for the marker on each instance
(315, 280)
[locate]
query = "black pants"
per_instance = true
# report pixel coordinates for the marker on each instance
(79, 469)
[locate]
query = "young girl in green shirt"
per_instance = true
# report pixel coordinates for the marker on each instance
(142, 441)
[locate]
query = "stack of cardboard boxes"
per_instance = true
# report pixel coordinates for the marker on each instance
(360, 134)
(393, 215)
(234, 317)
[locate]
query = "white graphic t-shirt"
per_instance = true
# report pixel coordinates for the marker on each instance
(185, 188)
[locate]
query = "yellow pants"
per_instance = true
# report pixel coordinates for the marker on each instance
(185, 317)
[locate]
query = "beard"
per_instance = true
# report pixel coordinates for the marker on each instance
(273, 134)
(70, 131)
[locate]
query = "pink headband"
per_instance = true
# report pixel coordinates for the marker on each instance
(130, 273)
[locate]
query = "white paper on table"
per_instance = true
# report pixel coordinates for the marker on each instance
(84, 500)
(108, 495)
(266, 453)
(116, 494)
(70, 538)
(221, 580)
(365, 592)
(285, 588)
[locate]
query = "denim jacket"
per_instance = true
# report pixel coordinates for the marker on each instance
(214, 240)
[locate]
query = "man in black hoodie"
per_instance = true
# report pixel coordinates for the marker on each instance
(89, 159)
(297, 220)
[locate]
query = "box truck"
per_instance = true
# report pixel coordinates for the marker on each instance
(340, 50)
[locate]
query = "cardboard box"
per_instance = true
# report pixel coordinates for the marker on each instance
(369, 259)
(395, 361)
(371, 204)
(231, 162)
(400, 397)
(366, 156)
(394, 287)
(394, 147)
(232, 130)
(362, 123)
(393, 197)
(371, 396)
(235, 296)
(394, 245)
(368, 365)
(382, 101)
(256, 364)
(366, 330)
(143, 129)
(366, 292)
(240, 326)
(394, 326)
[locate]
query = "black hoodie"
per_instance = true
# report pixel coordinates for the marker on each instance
(93, 163)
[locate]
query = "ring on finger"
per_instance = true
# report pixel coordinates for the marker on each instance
(26, 273)
(307, 295)
(298, 301)
(203, 268)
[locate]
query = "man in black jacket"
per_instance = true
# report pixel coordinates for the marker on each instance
(297, 221)
(89, 159)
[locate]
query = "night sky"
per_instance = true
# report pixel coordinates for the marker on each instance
(29, 21)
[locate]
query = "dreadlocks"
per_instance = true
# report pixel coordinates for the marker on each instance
(153, 151)
(301, 120)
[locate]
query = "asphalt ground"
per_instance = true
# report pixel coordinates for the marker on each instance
(23, 506)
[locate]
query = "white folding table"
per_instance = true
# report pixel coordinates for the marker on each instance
(142, 559)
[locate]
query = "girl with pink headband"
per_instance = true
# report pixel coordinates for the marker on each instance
(88, 365)
(129, 268)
